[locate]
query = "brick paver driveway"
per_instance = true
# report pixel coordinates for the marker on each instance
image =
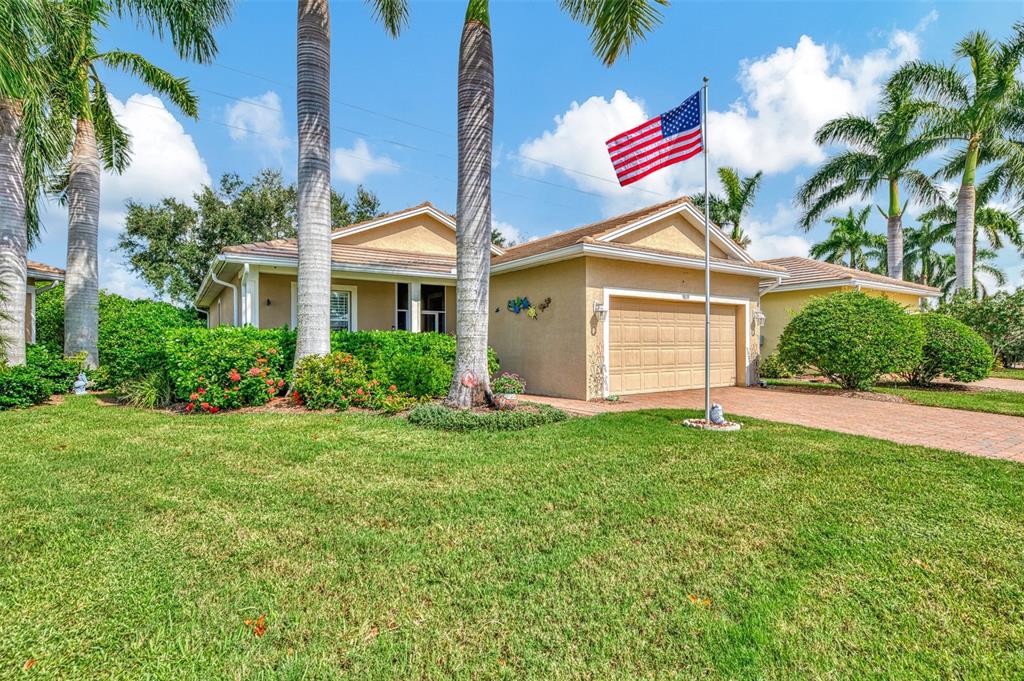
(991, 435)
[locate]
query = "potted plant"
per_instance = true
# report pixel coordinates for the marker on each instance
(506, 388)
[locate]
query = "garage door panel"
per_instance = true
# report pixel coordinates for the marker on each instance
(659, 345)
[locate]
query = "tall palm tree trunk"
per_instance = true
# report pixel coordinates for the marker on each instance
(965, 205)
(894, 233)
(314, 179)
(471, 383)
(13, 236)
(81, 284)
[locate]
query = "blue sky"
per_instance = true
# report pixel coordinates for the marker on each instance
(778, 70)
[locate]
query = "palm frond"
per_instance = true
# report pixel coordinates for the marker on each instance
(174, 88)
(856, 131)
(190, 23)
(113, 140)
(392, 14)
(945, 84)
(615, 25)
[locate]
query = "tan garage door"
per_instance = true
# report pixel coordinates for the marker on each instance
(659, 345)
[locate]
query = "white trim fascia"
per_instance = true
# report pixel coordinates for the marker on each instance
(415, 306)
(42, 276)
(294, 301)
(608, 293)
(855, 283)
(402, 215)
(368, 269)
(716, 232)
(32, 314)
(254, 292)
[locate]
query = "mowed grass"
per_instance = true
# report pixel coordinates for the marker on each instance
(136, 545)
(1008, 373)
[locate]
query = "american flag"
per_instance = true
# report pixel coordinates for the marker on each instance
(670, 138)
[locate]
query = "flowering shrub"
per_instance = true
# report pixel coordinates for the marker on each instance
(239, 360)
(508, 383)
(379, 397)
(255, 386)
(328, 381)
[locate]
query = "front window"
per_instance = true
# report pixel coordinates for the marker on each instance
(402, 307)
(432, 313)
(341, 311)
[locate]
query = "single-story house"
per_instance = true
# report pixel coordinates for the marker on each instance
(614, 307)
(37, 273)
(809, 278)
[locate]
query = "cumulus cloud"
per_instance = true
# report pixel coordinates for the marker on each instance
(358, 162)
(775, 238)
(259, 121)
(511, 233)
(787, 96)
(165, 162)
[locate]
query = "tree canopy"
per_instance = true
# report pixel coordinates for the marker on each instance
(170, 244)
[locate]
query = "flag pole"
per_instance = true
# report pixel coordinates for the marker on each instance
(707, 259)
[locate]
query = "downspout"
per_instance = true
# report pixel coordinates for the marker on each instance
(234, 294)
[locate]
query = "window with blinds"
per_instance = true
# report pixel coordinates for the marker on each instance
(341, 311)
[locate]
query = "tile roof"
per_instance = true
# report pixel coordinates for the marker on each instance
(342, 254)
(809, 271)
(42, 269)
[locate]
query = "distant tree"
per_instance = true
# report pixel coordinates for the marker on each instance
(850, 241)
(171, 244)
(728, 211)
(500, 240)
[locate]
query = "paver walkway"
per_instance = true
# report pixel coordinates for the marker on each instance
(1014, 385)
(991, 435)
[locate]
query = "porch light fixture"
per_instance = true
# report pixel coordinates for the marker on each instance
(599, 310)
(759, 318)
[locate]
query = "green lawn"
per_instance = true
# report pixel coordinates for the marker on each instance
(992, 401)
(1008, 373)
(136, 544)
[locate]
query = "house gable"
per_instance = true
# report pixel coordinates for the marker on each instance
(420, 233)
(673, 233)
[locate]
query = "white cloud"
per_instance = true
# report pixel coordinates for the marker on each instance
(787, 96)
(165, 162)
(777, 237)
(509, 231)
(356, 164)
(260, 121)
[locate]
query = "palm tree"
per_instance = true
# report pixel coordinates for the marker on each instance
(921, 260)
(999, 227)
(984, 263)
(616, 25)
(984, 112)
(728, 210)
(33, 140)
(98, 136)
(881, 152)
(850, 240)
(313, 223)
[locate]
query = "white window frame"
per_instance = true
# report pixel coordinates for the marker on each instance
(353, 303)
(407, 310)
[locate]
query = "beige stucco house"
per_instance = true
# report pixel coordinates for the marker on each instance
(39, 277)
(617, 305)
(809, 278)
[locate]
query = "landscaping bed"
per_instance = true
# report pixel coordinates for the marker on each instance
(137, 543)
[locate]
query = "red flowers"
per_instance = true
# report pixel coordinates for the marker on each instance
(201, 391)
(214, 409)
(234, 376)
(193, 397)
(254, 371)
(359, 391)
(191, 406)
(393, 387)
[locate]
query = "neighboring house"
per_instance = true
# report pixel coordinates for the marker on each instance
(618, 304)
(37, 274)
(809, 278)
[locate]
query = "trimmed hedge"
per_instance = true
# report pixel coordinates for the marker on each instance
(411, 361)
(44, 373)
(200, 358)
(951, 349)
(131, 333)
(440, 417)
(852, 339)
(329, 381)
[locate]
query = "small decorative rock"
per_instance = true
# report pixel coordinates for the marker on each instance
(717, 422)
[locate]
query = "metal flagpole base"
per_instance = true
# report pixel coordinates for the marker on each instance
(701, 424)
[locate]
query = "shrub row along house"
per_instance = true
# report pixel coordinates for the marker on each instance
(613, 307)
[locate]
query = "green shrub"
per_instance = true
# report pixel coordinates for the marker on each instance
(329, 381)
(421, 376)
(22, 386)
(149, 392)
(998, 318)
(439, 417)
(772, 367)
(509, 384)
(951, 349)
(382, 351)
(131, 333)
(54, 367)
(852, 338)
(228, 367)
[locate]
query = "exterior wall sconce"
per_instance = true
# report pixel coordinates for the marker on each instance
(759, 318)
(268, 302)
(599, 310)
